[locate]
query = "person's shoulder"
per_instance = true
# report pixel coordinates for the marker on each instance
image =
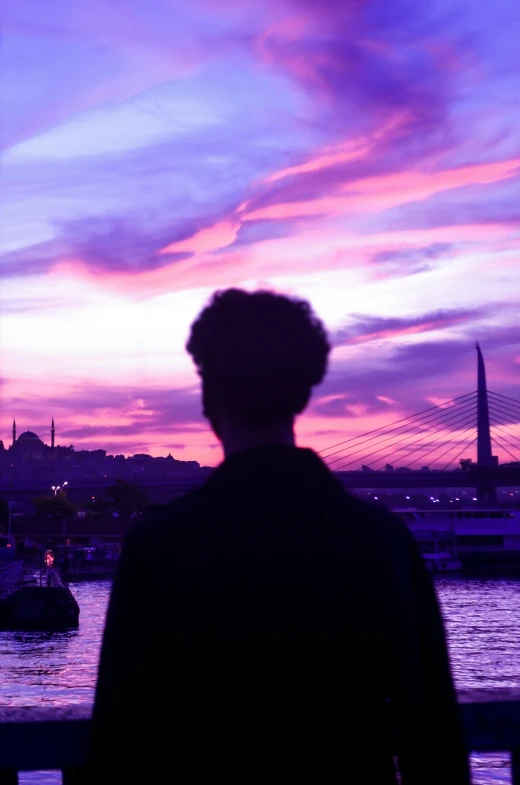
(173, 518)
(378, 513)
(376, 520)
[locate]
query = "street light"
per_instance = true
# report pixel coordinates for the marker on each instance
(10, 504)
(57, 488)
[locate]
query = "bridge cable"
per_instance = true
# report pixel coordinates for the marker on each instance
(504, 405)
(432, 452)
(460, 422)
(390, 425)
(460, 425)
(410, 432)
(424, 435)
(507, 397)
(444, 468)
(445, 417)
(500, 428)
(510, 429)
(514, 446)
(432, 441)
(451, 447)
(512, 416)
(495, 439)
(401, 430)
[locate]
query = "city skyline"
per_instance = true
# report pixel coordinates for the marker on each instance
(365, 159)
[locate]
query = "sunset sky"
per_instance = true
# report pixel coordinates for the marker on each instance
(362, 154)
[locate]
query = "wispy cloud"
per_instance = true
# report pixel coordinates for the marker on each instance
(376, 328)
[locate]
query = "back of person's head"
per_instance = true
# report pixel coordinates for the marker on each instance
(259, 355)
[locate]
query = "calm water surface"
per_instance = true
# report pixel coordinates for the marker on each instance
(482, 620)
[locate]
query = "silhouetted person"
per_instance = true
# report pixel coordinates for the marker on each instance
(270, 627)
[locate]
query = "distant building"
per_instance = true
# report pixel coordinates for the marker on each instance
(29, 459)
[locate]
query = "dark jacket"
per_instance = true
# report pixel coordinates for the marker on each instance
(271, 627)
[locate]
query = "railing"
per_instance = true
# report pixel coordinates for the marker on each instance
(43, 739)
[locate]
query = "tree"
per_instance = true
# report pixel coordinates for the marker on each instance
(98, 505)
(57, 506)
(128, 497)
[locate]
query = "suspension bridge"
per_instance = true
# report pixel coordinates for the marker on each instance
(432, 448)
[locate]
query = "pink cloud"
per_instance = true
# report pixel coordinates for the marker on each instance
(313, 248)
(351, 150)
(388, 190)
(415, 329)
(217, 236)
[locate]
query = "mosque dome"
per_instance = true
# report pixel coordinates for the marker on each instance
(28, 437)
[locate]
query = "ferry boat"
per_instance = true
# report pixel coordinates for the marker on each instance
(439, 550)
(487, 538)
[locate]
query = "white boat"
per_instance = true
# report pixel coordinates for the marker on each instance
(482, 537)
(442, 562)
(438, 549)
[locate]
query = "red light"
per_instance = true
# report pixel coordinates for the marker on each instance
(8, 544)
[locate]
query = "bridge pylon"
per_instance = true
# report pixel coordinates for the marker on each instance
(486, 492)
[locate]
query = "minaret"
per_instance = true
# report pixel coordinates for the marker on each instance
(14, 431)
(52, 434)
(484, 456)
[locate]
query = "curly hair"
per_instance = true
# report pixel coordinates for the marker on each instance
(259, 354)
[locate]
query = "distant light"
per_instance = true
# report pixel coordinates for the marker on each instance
(375, 497)
(457, 499)
(475, 499)
(407, 497)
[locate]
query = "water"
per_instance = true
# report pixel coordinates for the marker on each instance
(482, 625)
(55, 668)
(39, 669)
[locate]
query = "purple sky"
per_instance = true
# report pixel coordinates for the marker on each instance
(364, 155)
